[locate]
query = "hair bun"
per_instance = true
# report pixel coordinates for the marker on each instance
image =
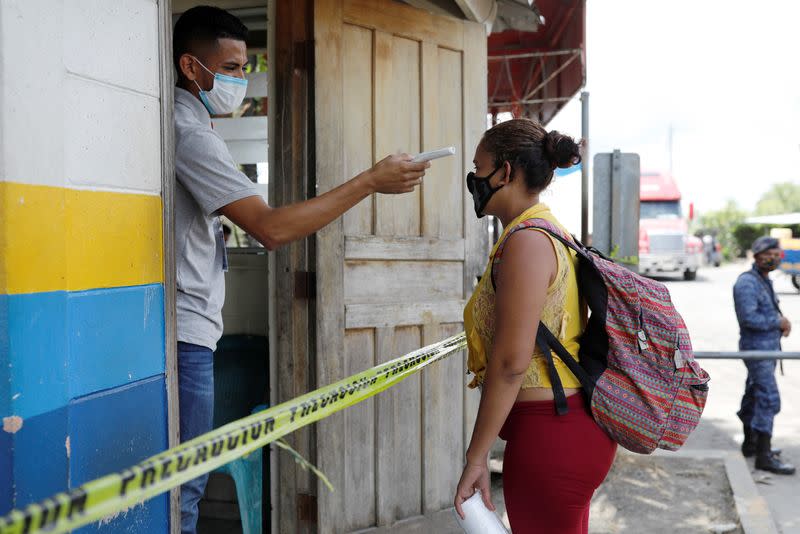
(561, 150)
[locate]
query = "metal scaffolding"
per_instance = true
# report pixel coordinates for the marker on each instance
(529, 88)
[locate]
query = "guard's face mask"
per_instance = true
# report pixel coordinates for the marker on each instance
(225, 96)
(769, 263)
(481, 190)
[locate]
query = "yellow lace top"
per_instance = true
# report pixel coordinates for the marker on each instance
(562, 313)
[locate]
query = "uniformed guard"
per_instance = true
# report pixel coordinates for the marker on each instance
(761, 326)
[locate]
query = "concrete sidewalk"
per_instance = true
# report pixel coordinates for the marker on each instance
(707, 307)
(720, 430)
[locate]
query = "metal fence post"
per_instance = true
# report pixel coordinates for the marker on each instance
(585, 167)
(616, 207)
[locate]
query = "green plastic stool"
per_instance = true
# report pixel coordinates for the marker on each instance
(247, 474)
(240, 383)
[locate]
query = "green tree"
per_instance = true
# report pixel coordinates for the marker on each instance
(781, 198)
(745, 234)
(723, 223)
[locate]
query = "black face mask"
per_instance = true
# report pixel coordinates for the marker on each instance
(768, 264)
(481, 190)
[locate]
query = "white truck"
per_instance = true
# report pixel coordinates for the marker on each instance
(665, 246)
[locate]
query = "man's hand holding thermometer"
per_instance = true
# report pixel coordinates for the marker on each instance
(401, 173)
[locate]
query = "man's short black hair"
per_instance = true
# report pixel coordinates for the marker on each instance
(203, 25)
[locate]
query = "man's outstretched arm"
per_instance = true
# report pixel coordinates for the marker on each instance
(274, 227)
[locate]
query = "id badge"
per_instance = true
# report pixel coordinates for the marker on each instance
(221, 244)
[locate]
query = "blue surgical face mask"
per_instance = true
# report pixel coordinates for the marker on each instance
(481, 190)
(225, 96)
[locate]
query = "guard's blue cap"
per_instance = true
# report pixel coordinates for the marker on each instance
(764, 243)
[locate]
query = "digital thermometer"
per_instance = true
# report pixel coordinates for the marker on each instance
(434, 154)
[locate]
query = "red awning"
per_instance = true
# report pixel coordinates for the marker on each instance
(534, 74)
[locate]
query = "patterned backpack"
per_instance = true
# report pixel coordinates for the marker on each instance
(636, 363)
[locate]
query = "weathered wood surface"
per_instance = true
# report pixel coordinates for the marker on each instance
(366, 247)
(405, 21)
(358, 139)
(330, 334)
(293, 348)
(397, 126)
(408, 281)
(443, 421)
(394, 314)
(475, 231)
(166, 94)
(442, 100)
(359, 438)
(392, 78)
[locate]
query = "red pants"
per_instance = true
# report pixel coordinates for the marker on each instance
(552, 466)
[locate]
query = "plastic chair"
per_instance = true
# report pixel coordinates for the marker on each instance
(247, 474)
(240, 382)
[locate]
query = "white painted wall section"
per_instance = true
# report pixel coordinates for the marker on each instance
(114, 42)
(80, 94)
(31, 35)
(112, 138)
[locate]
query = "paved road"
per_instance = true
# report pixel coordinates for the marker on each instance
(707, 307)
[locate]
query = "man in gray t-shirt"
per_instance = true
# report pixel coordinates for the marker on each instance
(210, 55)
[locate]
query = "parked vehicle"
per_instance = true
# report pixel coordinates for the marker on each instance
(790, 261)
(665, 246)
(712, 250)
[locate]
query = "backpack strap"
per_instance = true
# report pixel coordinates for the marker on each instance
(587, 382)
(538, 224)
(498, 254)
(566, 239)
(559, 396)
(546, 340)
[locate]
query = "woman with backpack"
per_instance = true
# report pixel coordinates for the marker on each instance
(552, 463)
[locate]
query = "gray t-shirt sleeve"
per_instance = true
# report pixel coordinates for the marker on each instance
(206, 169)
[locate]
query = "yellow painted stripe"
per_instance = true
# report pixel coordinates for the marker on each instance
(54, 238)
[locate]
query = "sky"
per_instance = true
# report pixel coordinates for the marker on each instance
(724, 74)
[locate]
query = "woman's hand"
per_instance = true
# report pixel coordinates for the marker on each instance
(474, 477)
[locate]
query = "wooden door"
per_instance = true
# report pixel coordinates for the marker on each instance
(394, 274)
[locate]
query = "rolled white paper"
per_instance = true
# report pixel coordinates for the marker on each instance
(478, 519)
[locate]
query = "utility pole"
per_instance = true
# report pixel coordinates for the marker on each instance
(585, 167)
(669, 142)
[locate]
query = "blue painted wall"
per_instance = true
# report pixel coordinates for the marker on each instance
(85, 372)
(130, 422)
(6, 453)
(77, 343)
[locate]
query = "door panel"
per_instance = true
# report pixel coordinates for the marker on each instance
(358, 153)
(399, 431)
(443, 419)
(359, 440)
(395, 274)
(409, 281)
(443, 187)
(397, 125)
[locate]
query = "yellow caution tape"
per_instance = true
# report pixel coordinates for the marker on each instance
(115, 492)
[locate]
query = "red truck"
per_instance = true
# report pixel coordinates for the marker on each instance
(665, 246)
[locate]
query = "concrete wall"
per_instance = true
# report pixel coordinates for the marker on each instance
(82, 387)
